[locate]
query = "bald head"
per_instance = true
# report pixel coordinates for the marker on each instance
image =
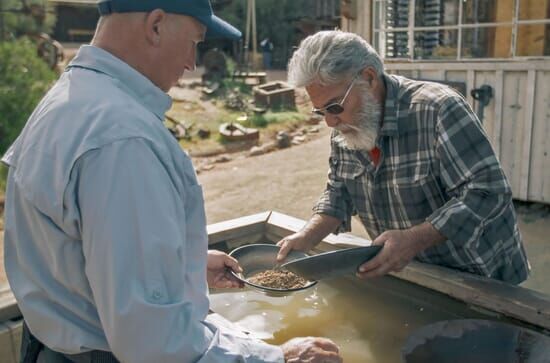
(159, 45)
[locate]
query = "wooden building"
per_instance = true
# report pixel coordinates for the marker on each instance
(502, 44)
(76, 20)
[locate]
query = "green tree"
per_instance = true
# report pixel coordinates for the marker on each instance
(3, 177)
(276, 19)
(24, 78)
(25, 17)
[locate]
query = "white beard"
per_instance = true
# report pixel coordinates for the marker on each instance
(361, 134)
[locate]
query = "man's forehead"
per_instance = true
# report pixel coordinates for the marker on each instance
(321, 94)
(191, 23)
(201, 29)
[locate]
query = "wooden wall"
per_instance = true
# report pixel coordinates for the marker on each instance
(517, 119)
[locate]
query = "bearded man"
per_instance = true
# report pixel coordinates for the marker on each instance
(411, 159)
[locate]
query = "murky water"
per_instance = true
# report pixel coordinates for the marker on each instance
(369, 321)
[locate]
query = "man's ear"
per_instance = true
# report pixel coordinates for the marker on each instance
(369, 75)
(155, 24)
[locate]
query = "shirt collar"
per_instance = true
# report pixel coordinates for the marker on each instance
(391, 106)
(134, 83)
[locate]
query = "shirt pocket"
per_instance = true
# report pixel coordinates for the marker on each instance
(350, 172)
(417, 193)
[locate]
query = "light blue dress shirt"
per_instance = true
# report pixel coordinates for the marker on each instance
(105, 232)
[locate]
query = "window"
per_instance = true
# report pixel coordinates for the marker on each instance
(461, 29)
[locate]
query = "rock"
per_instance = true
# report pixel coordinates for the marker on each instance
(256, 150)
(297, 140)
(222, 159)
(269, 146)
(203, 133)
(283, 140)
(204, 167)
(313, 130)
(210, 89)
(262, 149)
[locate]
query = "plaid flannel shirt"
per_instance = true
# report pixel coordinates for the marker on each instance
(436, 165)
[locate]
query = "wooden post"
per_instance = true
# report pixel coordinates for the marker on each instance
(251, 28)
(254, 32)
(247, 34)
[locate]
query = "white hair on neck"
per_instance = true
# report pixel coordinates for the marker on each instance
(330, 57)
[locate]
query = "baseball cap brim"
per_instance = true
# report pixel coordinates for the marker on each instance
(219, 28)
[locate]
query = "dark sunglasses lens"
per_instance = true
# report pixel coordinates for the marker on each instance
(335, 109)
(318, 112)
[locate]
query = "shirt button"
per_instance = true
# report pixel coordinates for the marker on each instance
(157, 294)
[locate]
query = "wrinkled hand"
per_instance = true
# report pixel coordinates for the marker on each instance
(217, 270)
(400, 247)
(296, 241)
(311, 349)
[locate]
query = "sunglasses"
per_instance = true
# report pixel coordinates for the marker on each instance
(334, 108)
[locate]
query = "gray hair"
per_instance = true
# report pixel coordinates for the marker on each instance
(329, 57)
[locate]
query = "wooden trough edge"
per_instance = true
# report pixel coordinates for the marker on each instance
(526, 305)
(520, 303)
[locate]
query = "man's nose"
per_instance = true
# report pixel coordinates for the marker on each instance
(331, 120)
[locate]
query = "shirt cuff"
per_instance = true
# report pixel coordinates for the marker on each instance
(236, 343)
(327, 209)
(456, 222)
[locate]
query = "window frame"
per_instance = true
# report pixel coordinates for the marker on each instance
(380, 33)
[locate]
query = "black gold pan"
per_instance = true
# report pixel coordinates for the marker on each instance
(260, 257)
(256, 258)
(331, 264)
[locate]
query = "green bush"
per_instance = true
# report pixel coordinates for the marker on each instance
(258, 121)
(232, 85)
(24, 79)
(28, 17)
(3, 177)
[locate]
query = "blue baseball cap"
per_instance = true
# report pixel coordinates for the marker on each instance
(198, 9)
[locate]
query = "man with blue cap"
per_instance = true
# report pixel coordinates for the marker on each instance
(105, 231)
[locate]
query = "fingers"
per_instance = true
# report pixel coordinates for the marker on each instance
(311, 349)
(235, 283)
(379, 260)
(327, 357)
(380, 264)
(227, 281)
(382, 267)
(380, 239)
(327, 344)
(232, 263)
(376, 272)
(286, 247)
